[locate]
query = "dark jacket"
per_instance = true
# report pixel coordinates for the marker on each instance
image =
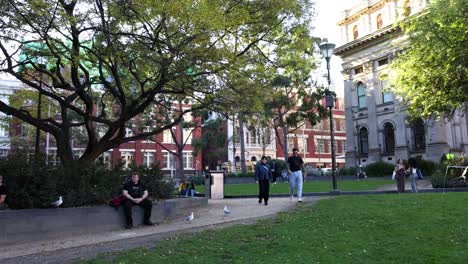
(263, 172)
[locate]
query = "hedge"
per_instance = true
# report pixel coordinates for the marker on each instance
(36, 185)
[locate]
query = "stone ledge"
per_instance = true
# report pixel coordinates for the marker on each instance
(20, 226)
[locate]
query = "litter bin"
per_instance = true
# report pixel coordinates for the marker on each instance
(217, 184)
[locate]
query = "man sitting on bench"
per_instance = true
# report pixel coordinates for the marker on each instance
(136, 193)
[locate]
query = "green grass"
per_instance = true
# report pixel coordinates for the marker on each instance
(309, 186)
(407, 228)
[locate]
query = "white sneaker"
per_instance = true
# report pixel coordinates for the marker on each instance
(299, 200)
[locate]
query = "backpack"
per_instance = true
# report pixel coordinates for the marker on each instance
(420, 176)
(117, 201)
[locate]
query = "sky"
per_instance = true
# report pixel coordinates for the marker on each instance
(329, 12)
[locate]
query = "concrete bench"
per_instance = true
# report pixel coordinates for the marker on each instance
(20, 226)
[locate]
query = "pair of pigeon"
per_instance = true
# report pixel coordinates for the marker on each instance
(191, 217)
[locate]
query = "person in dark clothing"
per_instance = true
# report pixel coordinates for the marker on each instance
(136, 193)
(400, 173)
(3, 194)
(263, 176)
(295, 167)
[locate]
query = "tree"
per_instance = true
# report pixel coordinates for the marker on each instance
(430, 73)
(291, 106)
(107, 62)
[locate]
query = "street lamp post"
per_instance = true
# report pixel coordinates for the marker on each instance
(327, 52)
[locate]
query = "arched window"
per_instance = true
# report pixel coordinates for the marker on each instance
(389, 137)
(407, 8)
(355, 32)
(379, 21)
(363, 142)
(361, 93)
(419, 135)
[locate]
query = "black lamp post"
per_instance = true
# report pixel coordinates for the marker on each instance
(327, 52)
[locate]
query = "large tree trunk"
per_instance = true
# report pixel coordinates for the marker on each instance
(180, 153)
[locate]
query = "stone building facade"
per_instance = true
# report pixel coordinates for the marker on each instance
(376, 120)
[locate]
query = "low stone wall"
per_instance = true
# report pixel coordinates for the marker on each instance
(20, 226)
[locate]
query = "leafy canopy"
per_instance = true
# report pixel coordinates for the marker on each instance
(431, 73)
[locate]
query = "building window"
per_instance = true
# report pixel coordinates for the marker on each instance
(389, 137)
(167, 136)
(387, 96)
(187, 136)
(148, 159)
(343, 146)
(168, 160)
(382, 62)
(188, 160)
(320, 145)
(355, 32)
(126, 159)
(379, 21)
(302, 144)
(358, 70)
(407, 8)
(363, 141)
(361, 92)
(419, 135)
(105, 158)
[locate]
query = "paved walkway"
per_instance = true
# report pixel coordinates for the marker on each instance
(243, 211)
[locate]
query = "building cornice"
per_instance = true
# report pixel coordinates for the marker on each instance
(364, 11)
(364, 41)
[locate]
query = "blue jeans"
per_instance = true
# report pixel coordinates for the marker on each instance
(295, 179)
(414, 178)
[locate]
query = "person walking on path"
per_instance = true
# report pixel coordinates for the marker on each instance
(136, 193)
(399, 175)
(263, 175)
(295, 166)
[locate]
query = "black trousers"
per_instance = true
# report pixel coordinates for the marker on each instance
(264, 189)
(146, 204)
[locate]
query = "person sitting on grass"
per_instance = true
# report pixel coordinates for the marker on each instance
(136, 193)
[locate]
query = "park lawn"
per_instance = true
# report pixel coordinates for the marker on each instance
(309, 186)
(406, 228)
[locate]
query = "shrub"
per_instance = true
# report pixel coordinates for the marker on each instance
(350, 171)
(36, 185)
(197, 179)
(427, 167)
(248, 174)
(379, 168)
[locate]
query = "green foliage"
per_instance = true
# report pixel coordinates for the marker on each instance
(430, 74)
(146, 55)
(32, 185)
(427, 167)
(350, 171)
(379, 169)
(248, 174)
(197, 179)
